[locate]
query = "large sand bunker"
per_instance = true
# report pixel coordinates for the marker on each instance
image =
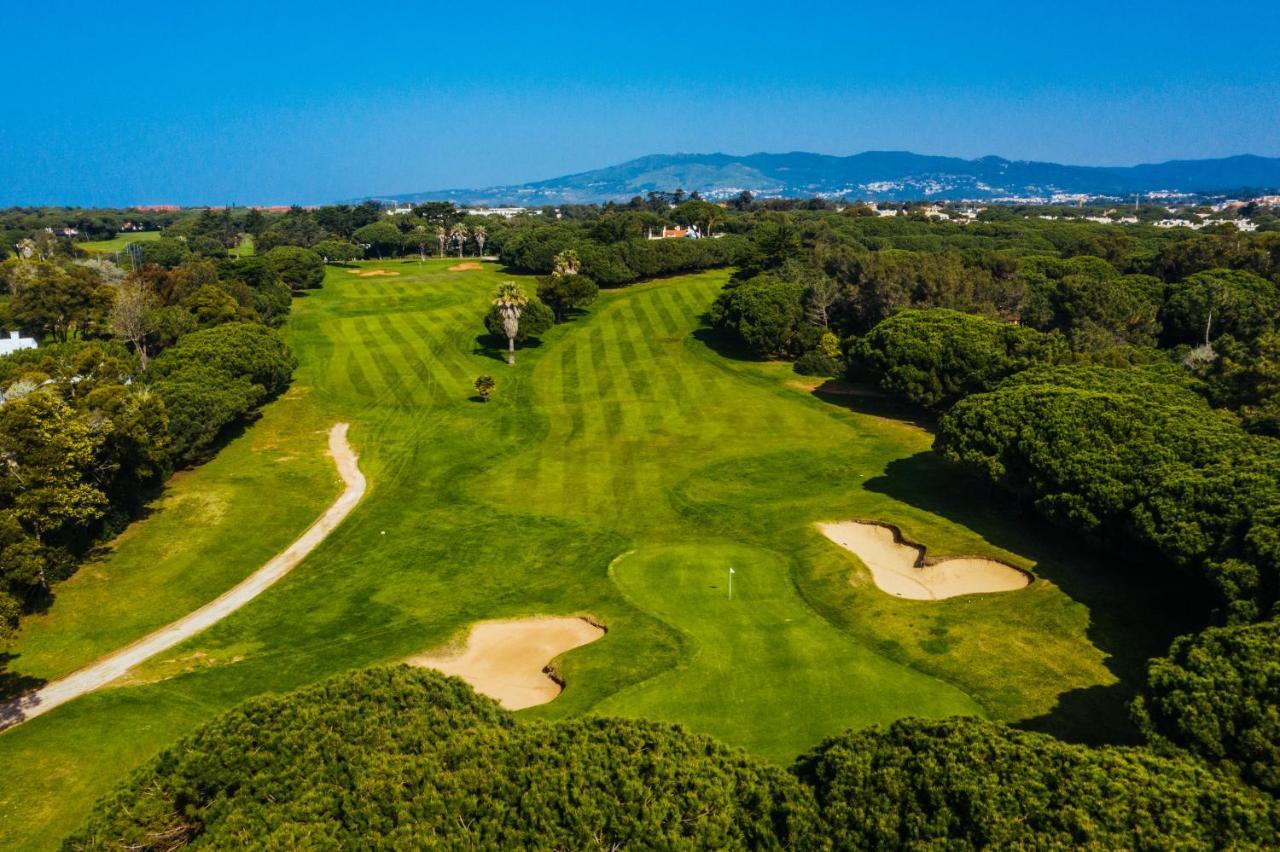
(507, 660)
(369, 273)
(463, 267)
(901, 569)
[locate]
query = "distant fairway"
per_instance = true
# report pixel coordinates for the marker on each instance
(623, 431)
(119, 243)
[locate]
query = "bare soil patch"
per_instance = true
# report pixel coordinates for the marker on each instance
(463, 267)
(901, 569)
(510, 660)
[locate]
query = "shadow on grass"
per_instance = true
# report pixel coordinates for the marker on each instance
(725, 345)
(494, 347)
(13, 684)
(865, 399)
(1136, 605)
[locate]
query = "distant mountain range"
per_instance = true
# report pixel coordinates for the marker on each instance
(874, 175)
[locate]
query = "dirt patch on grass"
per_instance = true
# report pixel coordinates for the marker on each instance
(901, 569)
(463, 267)
(510, 660)
(370, 273)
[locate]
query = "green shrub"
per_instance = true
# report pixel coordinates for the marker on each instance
(970, 784)
(1217, 694)
(300, 268)
(934, 357)
(764, 313)
(536, 319)
(399, 757)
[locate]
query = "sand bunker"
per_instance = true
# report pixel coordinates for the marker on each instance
(507, 660)
(463, 267)
(369, 273)
(901, 569)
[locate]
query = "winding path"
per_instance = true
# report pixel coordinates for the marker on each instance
(17, 710)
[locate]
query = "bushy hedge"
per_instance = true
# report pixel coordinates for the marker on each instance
(764, 313)
(934, 357)
(215, 377)
(969, 784)
(395, 757)
(1217, 694)
(1136, 466)
(401, 758)
(615, 264)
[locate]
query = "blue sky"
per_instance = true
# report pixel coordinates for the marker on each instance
(278, 102)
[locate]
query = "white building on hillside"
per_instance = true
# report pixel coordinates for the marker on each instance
(14, 342)
(504, 212)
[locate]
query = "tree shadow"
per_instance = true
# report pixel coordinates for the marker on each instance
(865, 399)
(1136, 603)
(494, 347)
(725, 345)
(13, 684)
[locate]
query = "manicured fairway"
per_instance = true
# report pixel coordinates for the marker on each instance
(119, 243)
(748, 658)
(624, 430)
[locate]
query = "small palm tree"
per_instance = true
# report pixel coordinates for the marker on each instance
(480, 235)
(567, 263)
(460, 232)
(484, 387)
(510, 301)
(442, 236)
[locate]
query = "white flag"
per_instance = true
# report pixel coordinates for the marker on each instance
(730, 570)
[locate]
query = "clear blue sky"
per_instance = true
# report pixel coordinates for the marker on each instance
(276, 102)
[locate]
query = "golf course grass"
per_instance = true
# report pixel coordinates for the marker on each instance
(748, 658)
(119, 243)
(621, 467)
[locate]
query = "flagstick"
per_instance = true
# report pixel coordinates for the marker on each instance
(730, 584)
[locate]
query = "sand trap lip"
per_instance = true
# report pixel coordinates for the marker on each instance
(463, 267)
(509, 660)
(900, 568)
(369, 273)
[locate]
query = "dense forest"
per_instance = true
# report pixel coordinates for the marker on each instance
(397, 757)
(1120, 380)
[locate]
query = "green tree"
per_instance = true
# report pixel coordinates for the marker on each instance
(764, 313)
(1209, 304)
(300, 268)
(563, 293)
(971, 784)
(509, 301)
(382, 238)
(1216, 694)
(47, 480)
(61, 302)
(484, 387)
(934, 357)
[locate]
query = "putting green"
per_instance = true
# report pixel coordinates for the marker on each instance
(760, 670)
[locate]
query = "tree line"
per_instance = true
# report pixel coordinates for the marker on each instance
(141, 373)
(385, 757)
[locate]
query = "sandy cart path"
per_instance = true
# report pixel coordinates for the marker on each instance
(98, 674)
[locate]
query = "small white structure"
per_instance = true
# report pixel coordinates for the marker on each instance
(504, 212)
(14, 342)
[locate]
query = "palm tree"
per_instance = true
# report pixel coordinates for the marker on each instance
(484, 387)
(480, 235)
(420, 234)
(566, 263)
(510, 301)
(460, 232)
(442, 236)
